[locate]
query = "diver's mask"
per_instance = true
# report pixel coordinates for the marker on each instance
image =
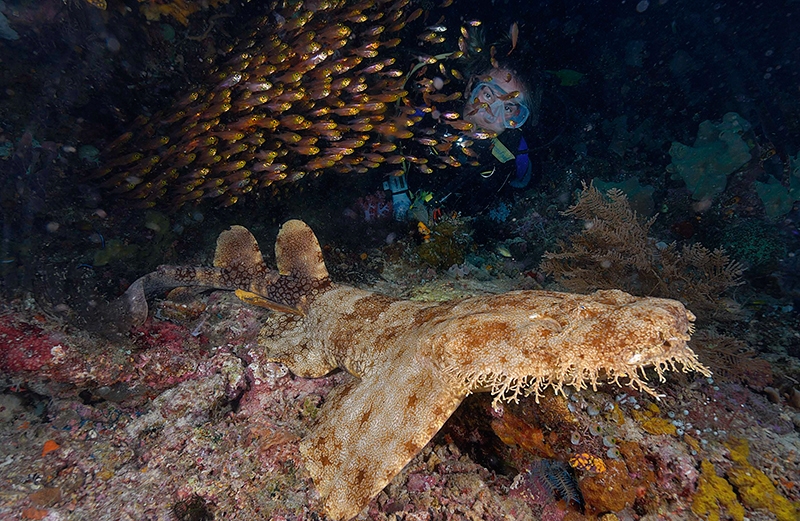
(497, 103)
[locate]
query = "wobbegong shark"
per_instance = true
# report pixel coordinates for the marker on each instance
(414, 362)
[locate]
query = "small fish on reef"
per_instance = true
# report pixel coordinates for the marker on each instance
(460, 124)
(424, 231)
(412, 363)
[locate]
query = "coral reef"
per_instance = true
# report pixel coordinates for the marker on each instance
(446, 244)
(546, 480)
(715, 495)
(27, 347)
(226, 436)
(611, 490)
(639, 196)
(759, 247)
(754, 487)
(614, 250)
(777, 199)
(500, 212)
(731, 359)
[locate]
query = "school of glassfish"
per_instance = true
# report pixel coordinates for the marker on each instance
(313, 87)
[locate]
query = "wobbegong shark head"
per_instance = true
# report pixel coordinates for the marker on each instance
(520, 343)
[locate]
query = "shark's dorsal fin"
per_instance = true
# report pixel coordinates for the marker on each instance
(238, 251)
(241, 266)
(297, 252)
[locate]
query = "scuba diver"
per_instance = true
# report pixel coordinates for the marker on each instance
(489, 93)
(500, 102)
(496, 101)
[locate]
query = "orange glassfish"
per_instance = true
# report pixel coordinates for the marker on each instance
(513, 33)
(510, 95)
(394, 42)
(492, 58)
(442, 98)
(416, 14)
(384, 147)
(450, 160)
(460, 124)
(319, 163)
(444, 147)
(468, 151)
(485, 106)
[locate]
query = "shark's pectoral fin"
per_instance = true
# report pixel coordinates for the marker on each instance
(371, 428)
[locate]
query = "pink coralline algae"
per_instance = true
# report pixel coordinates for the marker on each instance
(25, 347)
(161, 355)
(158, 333)
(418, 483)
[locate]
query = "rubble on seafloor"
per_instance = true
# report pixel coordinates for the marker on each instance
(182, 418)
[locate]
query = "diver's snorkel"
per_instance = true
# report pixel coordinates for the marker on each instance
(401, 201)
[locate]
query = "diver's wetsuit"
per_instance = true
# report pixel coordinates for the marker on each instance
(471, 189)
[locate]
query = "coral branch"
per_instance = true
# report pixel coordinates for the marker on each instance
(614, 250)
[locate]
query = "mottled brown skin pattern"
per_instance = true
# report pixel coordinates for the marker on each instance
(414, 362)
